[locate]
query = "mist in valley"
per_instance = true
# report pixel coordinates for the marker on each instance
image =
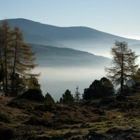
(69, 56)
(55, 80)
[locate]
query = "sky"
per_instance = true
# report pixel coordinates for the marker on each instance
(118, 17)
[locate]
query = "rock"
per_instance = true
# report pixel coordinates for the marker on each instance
(114, 131)
(67, 135)
(121, 98)
(128, 138)
(99, 112)
(4, 118)
(85, 126)
(47, 138)
(77, 138)
(107, 102)
(128, 134)
(95, 136)
(6, 133)
(38, 121)
(32, 95)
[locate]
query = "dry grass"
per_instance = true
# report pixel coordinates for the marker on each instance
(63, 119)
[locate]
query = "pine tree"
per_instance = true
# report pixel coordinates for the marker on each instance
(67, 98)
(49, 101)
(124, 64)
(77, 94)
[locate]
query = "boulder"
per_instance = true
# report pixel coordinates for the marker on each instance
(6, 133)
(95, 136)
(32, 95)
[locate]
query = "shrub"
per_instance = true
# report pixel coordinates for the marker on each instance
(99, 89)
(67, 98)
(49, 101)
(32, 95)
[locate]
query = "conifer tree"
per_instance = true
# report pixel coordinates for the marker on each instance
(67, 98)
(5, 55)
(23, 57)
(124, 64)
(49, 101)
(16, 59)
(77, 94)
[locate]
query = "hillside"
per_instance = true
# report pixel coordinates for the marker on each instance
(54, 56)
(105, 119)
(81, 38)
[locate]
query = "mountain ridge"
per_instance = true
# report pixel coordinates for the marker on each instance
(77, 37)
(56, 56)
(24, 22)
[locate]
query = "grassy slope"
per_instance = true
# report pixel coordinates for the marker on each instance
(26, 119)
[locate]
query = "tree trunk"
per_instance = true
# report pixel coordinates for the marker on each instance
(122, 74)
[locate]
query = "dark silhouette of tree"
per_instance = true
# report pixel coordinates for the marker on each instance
(99, 89)
(49, 101)
(5, 53)
(77, 95)
(124, 64)
(67, 98)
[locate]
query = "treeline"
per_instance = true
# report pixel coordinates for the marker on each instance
(123, 73)
(16, 62)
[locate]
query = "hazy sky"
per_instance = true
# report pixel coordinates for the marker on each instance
(119, 17)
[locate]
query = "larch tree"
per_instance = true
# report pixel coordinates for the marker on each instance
(22, 59)
(17, 43)
(5, 53)
(124, 64)
(16, 60)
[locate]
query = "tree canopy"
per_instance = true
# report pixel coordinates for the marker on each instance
(67, 98)
(99, 89)
(49, 101)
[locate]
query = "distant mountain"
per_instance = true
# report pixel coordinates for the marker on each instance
(81, 38)
(54, 56)
(135, 47)
(76, 59)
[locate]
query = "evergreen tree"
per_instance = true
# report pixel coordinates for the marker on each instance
(49, 101)
(16, 58)
(99, 89)
(77, 95)
(124, 64)
(67, 98)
